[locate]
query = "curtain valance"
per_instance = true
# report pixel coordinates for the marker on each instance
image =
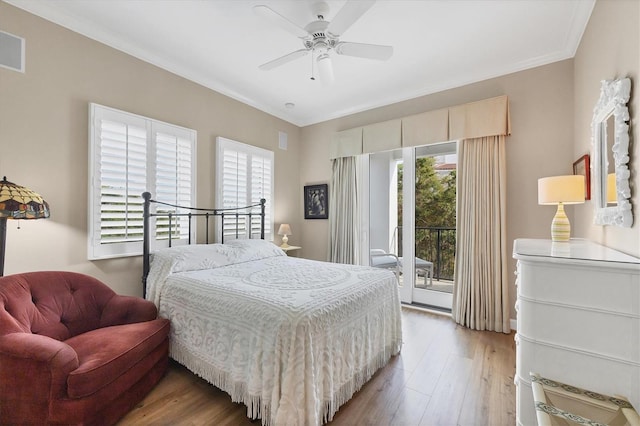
(347, 143)
(488, 117)
(426, 128)
(383, 136)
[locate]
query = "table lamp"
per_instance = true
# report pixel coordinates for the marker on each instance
(17, 202)
(561, 190)
(284, 230)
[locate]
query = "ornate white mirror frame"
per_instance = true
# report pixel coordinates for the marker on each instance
(610, 172)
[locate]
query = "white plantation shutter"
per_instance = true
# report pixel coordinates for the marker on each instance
(261, 184)
(173, 176)
(123, 171)
(234, 190)
(129, 155)
(244, 176)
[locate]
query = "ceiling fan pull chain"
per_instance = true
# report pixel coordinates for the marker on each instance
(313, 76)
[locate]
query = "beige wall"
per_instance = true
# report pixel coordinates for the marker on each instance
(551, 111)
(610, 48)
(43, 135)
(43, 140)
(541, 104)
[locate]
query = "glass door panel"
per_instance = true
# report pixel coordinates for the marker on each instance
(424, 250)
(435, 224)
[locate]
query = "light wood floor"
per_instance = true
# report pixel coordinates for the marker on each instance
(444, 375)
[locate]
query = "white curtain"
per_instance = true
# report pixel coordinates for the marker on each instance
(481, 298)
(343, 212)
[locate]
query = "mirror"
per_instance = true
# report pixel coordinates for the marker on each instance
(610, 139)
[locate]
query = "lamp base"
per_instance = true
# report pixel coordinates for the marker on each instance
(3, 241)
(285, 241)
(560, 227)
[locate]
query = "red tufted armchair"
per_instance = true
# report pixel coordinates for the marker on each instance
(74, 352)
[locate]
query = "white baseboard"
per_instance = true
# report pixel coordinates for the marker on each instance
(514, 324)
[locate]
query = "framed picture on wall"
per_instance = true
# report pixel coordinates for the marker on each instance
(582, 167)
(316, 201)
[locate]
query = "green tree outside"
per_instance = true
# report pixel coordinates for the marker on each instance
(435, 208)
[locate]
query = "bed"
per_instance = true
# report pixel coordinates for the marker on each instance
(292, 339)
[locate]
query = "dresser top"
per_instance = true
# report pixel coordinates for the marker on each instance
(576, 249)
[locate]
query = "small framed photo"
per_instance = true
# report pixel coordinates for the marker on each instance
(582, 167)
(316, 201)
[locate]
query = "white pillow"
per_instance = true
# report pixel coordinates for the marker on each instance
(254, 249)
(197, 256)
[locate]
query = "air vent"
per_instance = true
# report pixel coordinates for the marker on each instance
(11, 52)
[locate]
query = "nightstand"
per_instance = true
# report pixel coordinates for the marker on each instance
(290, 248)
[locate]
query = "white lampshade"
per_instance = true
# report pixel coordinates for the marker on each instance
(284, 229)
(561, 189)
(325, 68)
(612, 193)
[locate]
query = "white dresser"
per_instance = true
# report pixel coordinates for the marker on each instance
(578, 311)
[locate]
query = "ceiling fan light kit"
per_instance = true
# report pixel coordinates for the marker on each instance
(325, 68)
(320, 37)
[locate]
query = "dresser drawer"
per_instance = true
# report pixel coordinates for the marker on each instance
(580, 368)
(605, 333)
(590, 287)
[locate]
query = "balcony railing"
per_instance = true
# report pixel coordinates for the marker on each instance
(436, 244)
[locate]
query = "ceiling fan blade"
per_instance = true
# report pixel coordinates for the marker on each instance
(283, 59)
(350, 13)
(364, 50)
(280, 20)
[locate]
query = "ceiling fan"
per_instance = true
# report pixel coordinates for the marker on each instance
(320, 36)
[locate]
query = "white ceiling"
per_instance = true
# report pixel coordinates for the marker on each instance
(438, 44)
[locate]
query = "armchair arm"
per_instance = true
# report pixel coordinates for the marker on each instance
(34, 367)
(126, 310)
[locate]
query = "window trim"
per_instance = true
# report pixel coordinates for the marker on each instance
(96, 250)
(224, 143)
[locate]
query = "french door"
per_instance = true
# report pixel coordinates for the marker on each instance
(415, 222)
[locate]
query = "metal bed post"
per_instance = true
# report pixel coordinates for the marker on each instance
(145, 241)
(189, 238)
(206, 228)
(222, 230)
(237, 223)
(262, 203)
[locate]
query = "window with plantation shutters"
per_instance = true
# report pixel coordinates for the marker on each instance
(129, 155)
(244, 175)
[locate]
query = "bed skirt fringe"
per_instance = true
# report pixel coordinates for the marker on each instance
(220, 379)
(347, 390)
(255, 407)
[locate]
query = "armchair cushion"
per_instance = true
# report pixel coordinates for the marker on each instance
(106, 352)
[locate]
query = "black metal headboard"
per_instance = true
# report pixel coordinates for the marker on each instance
(194, 212)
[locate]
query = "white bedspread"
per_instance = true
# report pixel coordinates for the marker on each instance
(292, 339)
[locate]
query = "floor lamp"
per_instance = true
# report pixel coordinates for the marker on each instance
(17, 202)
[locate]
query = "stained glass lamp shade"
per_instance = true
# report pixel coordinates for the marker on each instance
(17, 202)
